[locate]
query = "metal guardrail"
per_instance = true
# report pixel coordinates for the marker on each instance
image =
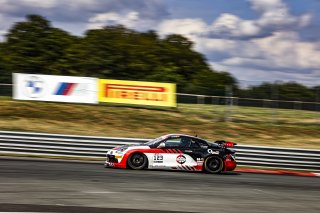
(39, 144)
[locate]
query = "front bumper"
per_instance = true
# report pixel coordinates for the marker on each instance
(110, 160)
(113, 161)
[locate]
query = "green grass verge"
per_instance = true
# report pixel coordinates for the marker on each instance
(248, 125)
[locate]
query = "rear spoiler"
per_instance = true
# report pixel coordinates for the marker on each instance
(226, 143)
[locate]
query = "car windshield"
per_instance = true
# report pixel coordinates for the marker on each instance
(153, 141)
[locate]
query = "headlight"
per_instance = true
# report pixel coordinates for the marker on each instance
(119, 151)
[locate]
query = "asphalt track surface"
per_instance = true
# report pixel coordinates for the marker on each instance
(40, 186)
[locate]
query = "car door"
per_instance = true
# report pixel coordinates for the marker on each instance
(179, 154)
(171, 151)
(192, 150)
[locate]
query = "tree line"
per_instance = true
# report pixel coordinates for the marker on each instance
(34, 46)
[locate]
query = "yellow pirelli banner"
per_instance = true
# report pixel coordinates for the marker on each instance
(137, 92)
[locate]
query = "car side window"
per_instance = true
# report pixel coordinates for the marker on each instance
(194, 143)
(185, 142)
(197, 143)
(178, 142)
(173, 142)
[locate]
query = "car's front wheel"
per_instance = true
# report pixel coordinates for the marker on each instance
(137, 161)
(213, 164)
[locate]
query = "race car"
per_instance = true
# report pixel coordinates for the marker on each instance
(175, 152)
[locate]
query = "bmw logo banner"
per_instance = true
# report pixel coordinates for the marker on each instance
(55, 88)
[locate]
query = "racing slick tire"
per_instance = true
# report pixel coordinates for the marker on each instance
(213, 164)
(137, 161)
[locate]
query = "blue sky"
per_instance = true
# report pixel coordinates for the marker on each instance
(254, 40)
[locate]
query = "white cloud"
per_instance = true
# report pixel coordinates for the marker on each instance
(232, 26)
(182, 26)
(208, 45)
(130, 19)
(80, 15)
(282, 56)
(8, 5)
(274, 16)
(266, 49)
(5, 24)
(266, 5)
(103, 19)
(81, 10)
(284, 49)
(281, 50)
(276, 13)
(239, 61)
(250, 76)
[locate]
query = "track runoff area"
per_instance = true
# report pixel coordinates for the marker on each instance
(57, 186)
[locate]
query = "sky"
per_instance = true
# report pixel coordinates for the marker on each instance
(254, 40)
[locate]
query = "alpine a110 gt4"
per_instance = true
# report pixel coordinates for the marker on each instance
(175, 152)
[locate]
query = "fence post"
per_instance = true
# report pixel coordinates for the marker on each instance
(275, 100)
(317, 104)
(200, 99)
(228, 104)
(214, 100)
(297, 105)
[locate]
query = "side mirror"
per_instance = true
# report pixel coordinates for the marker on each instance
(161, 145)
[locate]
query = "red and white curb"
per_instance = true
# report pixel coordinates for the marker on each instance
(278, 172)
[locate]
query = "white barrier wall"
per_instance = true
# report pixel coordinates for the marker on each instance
(55, 88)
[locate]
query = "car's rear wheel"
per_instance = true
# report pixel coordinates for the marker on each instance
(213, 164)
(137, 161)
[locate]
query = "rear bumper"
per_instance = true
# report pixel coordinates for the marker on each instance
(229, 165)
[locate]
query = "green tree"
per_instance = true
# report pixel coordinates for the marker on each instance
(34, 46)
(290, 91)
(293, 91)
(207, 82)
(263, 91)
(4, 74)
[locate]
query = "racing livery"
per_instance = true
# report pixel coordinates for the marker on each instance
(175, 152)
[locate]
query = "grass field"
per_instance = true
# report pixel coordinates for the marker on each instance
(247, 125)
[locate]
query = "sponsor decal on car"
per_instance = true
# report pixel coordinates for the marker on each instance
(200, 161)
(158, 166)
(213, 152)
(158, 158)
(181, 159)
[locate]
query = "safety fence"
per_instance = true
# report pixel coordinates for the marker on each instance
(6, 90)
(95, 148)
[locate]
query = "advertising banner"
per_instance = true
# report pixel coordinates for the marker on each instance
(55, 88)
(137, 92)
